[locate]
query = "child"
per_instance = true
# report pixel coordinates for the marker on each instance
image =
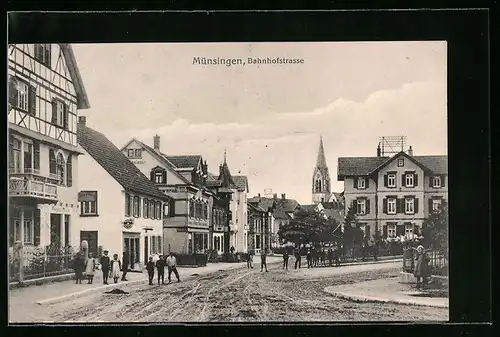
(79, 266)
(116, 266)
(150, 267)
(90, 269)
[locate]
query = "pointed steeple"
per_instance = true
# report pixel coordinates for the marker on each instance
(321, 161)
(225, 173)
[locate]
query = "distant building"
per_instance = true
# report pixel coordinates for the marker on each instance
(394, 194)
(121, 210)
(321, 184)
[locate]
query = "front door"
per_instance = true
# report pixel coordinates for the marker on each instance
(55, 230)
(146, 249)
(92, 239)
(131, 247)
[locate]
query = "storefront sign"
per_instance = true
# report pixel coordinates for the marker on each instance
(138, 161)
(87, 196)
(60, 209)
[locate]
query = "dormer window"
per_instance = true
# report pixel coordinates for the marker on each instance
(158, 175)
(436, 182)
(130, 153)
(138, 153)
(361, 183)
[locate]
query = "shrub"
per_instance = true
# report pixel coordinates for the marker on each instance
(199, 260)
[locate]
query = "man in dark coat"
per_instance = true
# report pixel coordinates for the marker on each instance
(298, 258)
(150, 267)
(263, 260)
(309, 259)
(285, 260)
(79, 266)
(104, 261)
(125, 263)
(160, 266)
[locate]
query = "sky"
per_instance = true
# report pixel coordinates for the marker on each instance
(269, 117)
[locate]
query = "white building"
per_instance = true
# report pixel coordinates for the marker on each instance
(120, 208)
(45, 93)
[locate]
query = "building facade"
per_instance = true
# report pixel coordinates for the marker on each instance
(183, 179)
(121, 210)
(45, 92)
(259, 228)
(393, 195)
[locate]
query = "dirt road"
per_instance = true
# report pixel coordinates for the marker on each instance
(245, 295)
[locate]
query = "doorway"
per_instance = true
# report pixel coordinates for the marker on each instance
(146, 249)
(132, 249)
(92, 239)
(55, 230)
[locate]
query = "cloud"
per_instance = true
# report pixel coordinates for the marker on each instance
(278, 150)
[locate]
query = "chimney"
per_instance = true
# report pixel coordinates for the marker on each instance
(410, 151)
(258, 194)
(378, 150)
(275, 196)
(156, 142)
(283, 196)
(82, 120)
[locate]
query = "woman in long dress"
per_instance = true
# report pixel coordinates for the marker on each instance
(90, 269)
(116, 266)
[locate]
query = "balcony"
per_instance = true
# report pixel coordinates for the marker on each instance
(28, 187)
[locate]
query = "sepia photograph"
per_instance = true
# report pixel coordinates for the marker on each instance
(228, 182)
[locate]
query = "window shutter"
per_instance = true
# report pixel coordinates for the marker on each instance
(52, 162)
(36, 228)
(164, 177)
(367, 206)
(48, 55)
(384, 231)
(69, 171)
(54, 112)
(36, 155)
(385, 180)
(139, 210)
(65, 117)
(127, 204)
(367, 182)
(11, 151)
(403, 180)
(152, 175)
(443, 181)
(384, 206)
(32, 100)
(354, 204)
(430, 206)
(172, 207)
(398, 205)
(355, 181)
(13, 92)
(415, 181)
(416, 205)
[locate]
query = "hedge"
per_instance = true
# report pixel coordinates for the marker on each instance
(198, 260)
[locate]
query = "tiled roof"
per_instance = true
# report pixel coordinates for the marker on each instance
(354, 166)
(328, 205)
(308, 208)
(241, 182)
(287, 205)
(106, 154)
(334, 214)
(211, 177)
(262, 202)
(255, 207)
(213, 183)
(279, 214)
(185, 161)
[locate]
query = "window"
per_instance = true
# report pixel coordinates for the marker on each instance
(130, 153)
(22, 95)
(88, 202)
(166, 210)
(257, 241)
(151, 209)
(145, 208)
(361, 206)
(158, 210)
(361, 182)
(158, 178)
(436, 204)
(138, 153)
(401, 162)
(28, 228)
(127, 204)
(43, 54)
(318, 185)
(60, 166)
(88, 208)
(408, 229)
(409, 180)
(391, 206)
(391, 230)
(137, 207)
(15, 155)
(52, 164)
(60, 106)
(436, 182)
(409, 205)
(28, 157)
(391, 180)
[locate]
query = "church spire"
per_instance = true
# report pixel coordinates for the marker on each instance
(321, 161)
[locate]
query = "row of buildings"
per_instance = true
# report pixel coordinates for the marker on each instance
(68, 182)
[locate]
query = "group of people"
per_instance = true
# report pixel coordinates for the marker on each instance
(117, 269)
(313, 258)
(263, 260)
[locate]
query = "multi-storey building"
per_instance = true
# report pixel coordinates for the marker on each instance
(183, 179)
(121, 210)
(259, 228)
(239, 235)
(393, 195)
(45, 91)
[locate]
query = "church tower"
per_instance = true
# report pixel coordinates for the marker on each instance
(321, 177)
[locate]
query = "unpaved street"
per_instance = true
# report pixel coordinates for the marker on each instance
(245, 295)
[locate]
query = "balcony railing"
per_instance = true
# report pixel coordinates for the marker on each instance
(23, 187)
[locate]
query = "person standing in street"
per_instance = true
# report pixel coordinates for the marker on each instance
(172, 267)
(150, 267)
(421, 267)
(125, 263)
(116, 266)
(298, 258)
(285, 260)
(263, 262)
(160, 266)
(79, 266)
(309, 259)
(104, 261)
(90, 269)
(249, 259)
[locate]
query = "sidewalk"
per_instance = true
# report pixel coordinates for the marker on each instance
(387, 291)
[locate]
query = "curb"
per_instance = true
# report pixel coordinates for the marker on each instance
(360, 298)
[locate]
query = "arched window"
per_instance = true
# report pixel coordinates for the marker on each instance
(60, 167)
(318, 185)
(52, 163)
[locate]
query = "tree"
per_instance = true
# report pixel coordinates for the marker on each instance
(435, 229)
(352, 233)
(305, 227)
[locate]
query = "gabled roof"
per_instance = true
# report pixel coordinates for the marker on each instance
(255, 208)
(262, 202)
(190, 161)
(109, 157)
(160, 157)
(241, 182)
(309, 208)
(279, 214)
(287, 205)
(69, 57)
(359, 166)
